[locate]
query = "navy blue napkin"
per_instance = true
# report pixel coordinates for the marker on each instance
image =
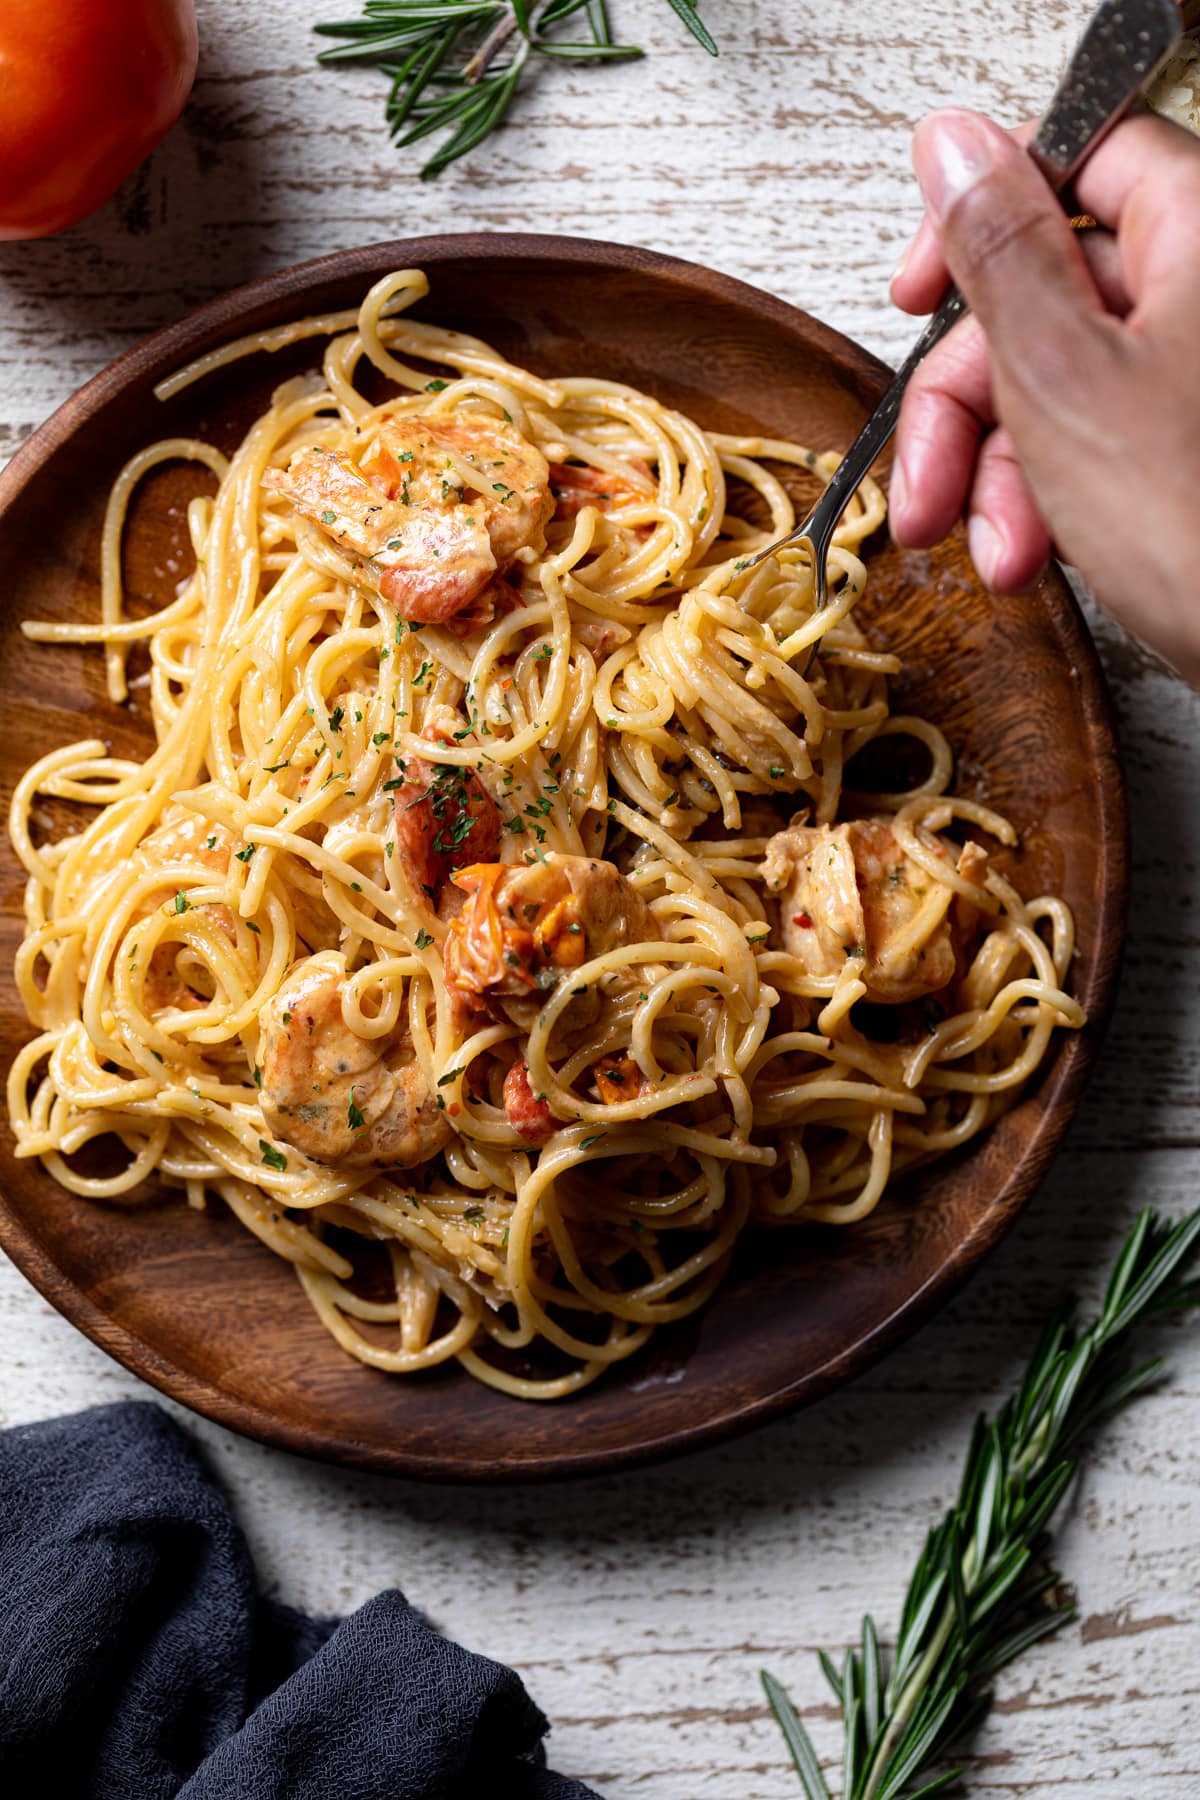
(137, 1657)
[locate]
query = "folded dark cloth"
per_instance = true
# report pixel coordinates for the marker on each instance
(138, 1659)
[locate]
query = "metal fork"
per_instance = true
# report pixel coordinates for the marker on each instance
(1122, 45)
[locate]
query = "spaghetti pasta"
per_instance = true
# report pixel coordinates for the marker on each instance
(491, 927)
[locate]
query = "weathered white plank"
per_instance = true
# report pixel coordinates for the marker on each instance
(642, 1608)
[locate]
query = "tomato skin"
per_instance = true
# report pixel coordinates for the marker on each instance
(87, 88)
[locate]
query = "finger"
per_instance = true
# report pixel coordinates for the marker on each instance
(1144, 182)
(1007, 538)
(1005, 238)
(1103, 258)
(921, 278)
(945, 412)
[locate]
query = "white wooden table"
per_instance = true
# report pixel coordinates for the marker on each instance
(640, 1609)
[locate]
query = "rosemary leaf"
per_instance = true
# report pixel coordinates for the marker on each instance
(475, 126)
(591, 52)
(597, 13)
(831, 1675)
(686, 10)
(798, 1740)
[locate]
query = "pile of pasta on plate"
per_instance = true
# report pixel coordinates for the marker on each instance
(494, 925)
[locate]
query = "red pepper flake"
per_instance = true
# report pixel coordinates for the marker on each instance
(454, 1109)
(802, 919)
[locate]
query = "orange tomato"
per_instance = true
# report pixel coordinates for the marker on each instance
(87, 88)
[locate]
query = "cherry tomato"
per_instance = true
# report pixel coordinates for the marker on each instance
(87, 88)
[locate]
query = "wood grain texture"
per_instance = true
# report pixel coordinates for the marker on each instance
(640, 1608)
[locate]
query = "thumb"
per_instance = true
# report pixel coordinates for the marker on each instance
(1008, 244)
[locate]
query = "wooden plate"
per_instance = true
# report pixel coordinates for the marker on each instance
(192, 1302)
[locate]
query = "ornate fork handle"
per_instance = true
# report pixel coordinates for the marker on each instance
(1122, 44)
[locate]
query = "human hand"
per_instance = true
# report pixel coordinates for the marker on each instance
(1065, 409)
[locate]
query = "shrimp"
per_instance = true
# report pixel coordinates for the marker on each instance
(187, 837)
(428, 562)
(576, 485)
(850, 891)
(528, 1115)
(472, 461)
(336, 1096)
(524, 925)
(445, 819)
(436, 510)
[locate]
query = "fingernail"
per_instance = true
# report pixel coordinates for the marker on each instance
(900, 267)
(986, 547)
(952, 151)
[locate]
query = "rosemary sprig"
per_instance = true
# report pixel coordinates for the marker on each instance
(981, 1591)
(455, 65)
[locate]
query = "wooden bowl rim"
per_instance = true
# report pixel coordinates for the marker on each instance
(223, 318)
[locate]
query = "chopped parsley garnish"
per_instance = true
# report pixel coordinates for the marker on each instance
(379, 737)
(355, 1117)
(423, 939)
(271, 769)
(434, 387)
(257, 1076)
(587, 1142)
(329, 518)
(451, 1075)
(335, 719)
(243, 856)
(181, 903)
(473, 1215)
(274, 1159)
